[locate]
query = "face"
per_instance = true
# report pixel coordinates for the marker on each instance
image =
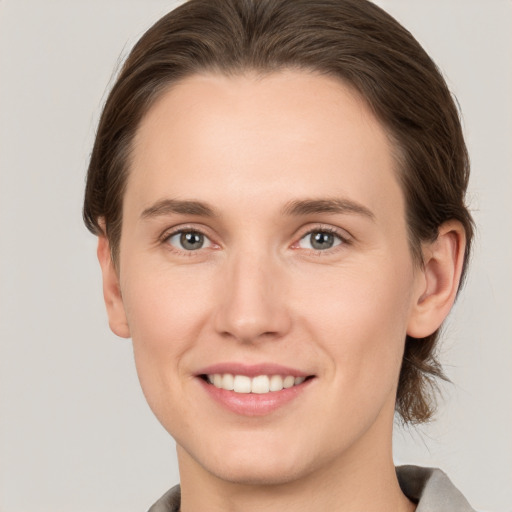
(264, 248)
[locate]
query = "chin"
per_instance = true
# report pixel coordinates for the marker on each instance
(260, 463)
(260, 473)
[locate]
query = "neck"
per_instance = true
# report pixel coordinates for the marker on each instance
(360, 480)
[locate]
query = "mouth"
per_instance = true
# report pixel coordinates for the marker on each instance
(260, 384)
(254, 390)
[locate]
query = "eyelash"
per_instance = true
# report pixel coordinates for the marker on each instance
(344, 240)
(164, 239)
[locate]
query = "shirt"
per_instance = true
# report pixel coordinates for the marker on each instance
(430, 488)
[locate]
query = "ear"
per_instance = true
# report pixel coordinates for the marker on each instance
(438, 280)
(112, 291)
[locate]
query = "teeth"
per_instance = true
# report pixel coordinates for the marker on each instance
(242, 384)
(288, 381)
(260, 385)
(228, 382)
(276, 383)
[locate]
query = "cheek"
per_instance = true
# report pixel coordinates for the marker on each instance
(166, 313)
(163, 305)
(360, 319)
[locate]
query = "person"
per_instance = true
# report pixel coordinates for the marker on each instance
(278, 190)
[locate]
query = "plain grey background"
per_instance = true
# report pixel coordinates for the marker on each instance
(75, 431)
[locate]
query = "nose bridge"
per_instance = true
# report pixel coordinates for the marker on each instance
(252, 304)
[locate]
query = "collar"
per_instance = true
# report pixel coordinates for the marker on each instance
(430, 488)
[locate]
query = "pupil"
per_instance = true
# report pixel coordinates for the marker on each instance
(322, 240)
(191, 240)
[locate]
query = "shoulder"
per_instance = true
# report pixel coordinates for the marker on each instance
(169, 502)
(431, 489)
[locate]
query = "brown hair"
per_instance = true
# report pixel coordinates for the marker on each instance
(353, 40)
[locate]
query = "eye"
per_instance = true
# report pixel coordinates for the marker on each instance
(189, 240)
(320, 240)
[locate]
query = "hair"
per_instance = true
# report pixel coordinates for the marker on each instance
(353, 40)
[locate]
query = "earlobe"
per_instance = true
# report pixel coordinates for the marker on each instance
(112, 291)
(439, 280)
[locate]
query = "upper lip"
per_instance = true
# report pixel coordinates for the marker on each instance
(252, 370)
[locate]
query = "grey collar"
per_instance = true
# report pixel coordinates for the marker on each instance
(430, 488)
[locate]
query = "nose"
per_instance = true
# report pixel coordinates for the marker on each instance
(252, 304)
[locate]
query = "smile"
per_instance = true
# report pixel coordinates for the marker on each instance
(256, 389)
(261, 384)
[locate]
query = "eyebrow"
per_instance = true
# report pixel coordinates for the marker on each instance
(293, 208)
(180, 207)
(332, 205)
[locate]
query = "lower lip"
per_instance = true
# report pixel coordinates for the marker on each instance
(254, 404)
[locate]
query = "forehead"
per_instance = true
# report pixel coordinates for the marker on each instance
(284, 135)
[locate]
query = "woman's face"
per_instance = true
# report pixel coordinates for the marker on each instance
(264, 244)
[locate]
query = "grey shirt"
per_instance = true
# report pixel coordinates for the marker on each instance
(430, 488)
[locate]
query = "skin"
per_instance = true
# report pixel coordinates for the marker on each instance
(257, 292)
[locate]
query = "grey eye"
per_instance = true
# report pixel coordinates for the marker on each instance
(319, 240)
(189, 240)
